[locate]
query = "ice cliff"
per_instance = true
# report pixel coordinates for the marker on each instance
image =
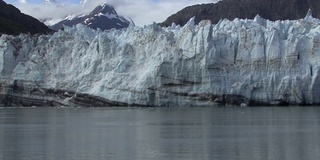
(252, 62)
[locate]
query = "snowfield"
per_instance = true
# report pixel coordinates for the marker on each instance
(239, 62)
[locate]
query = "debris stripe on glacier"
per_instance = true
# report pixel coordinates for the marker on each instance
(241, 61)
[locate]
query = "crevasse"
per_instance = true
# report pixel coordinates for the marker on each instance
(248, 62)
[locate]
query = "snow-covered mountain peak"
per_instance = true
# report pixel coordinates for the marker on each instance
(84, 1)
(50, 2)
(103, 16)
(104, 9)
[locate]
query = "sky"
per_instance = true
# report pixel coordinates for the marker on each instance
(142, 12)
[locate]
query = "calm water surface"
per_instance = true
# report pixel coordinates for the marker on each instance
(160, 134)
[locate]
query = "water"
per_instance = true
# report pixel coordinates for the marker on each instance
(160, 134)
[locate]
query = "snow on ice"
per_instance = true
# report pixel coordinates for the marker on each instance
(240, 62)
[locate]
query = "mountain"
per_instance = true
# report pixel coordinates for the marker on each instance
(50, 2)
(12, 21)
(239, 62)
(84, 1)
(231, 9)
(103, 16)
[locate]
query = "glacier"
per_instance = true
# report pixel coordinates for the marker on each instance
(240, 62)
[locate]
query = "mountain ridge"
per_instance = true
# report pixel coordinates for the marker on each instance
(230, 9)
(13, 22)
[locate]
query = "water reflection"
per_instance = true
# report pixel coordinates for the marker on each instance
(162, 133)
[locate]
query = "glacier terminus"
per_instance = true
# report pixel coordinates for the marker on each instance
(239, 62)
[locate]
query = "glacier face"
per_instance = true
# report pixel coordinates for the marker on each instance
(252, 62)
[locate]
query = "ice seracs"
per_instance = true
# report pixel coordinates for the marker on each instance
(309, 15)
(240, 62)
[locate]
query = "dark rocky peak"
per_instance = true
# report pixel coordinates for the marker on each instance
(231, 9)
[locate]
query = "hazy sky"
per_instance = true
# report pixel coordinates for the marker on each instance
(142, 12)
